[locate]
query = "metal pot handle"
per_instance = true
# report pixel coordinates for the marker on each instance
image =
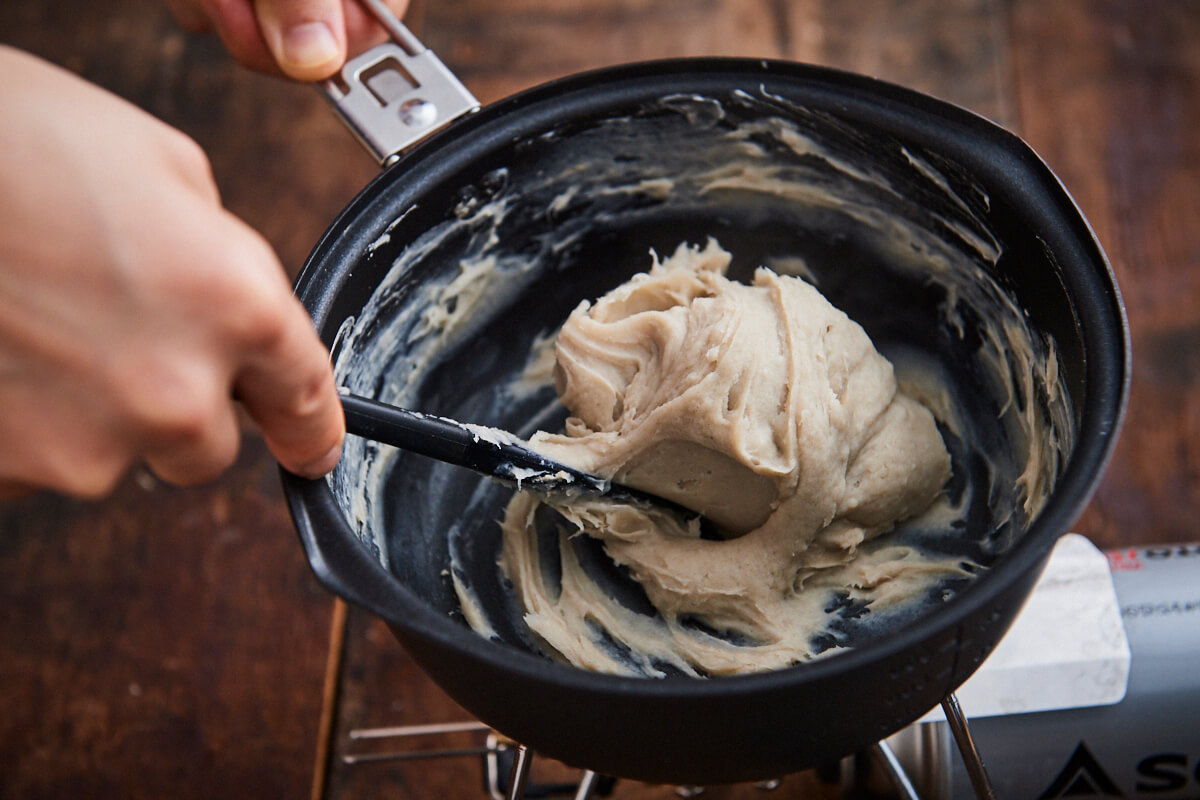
(396, 93)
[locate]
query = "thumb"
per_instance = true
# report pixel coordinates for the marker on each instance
(306, 37)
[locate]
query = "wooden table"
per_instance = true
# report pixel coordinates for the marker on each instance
(172, 643)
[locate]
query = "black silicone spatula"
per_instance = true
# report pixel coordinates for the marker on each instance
(488, 451)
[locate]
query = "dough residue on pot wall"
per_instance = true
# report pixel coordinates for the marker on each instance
(499, 262)
(761, 406)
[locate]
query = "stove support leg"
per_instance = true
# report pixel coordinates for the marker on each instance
(899, 778)
(966, 746)
(520, 773)
(587, 785)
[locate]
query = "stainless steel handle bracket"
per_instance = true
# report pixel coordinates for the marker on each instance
(396, 93)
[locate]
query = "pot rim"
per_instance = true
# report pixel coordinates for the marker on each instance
(333, 547)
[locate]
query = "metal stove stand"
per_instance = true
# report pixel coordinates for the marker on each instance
(507, 774)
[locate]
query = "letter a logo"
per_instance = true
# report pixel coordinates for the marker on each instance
(1082, 777)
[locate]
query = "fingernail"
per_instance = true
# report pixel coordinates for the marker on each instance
(323, 465)
(309, 45)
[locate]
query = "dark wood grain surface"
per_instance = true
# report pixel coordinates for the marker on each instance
(172, 643)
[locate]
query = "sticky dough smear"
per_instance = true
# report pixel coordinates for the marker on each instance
(761, 406)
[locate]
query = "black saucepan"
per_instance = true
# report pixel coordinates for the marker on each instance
(943, 235)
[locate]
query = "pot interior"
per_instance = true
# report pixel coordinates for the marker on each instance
(464, 259)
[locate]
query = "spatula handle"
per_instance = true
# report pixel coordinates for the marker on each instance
(485, 450)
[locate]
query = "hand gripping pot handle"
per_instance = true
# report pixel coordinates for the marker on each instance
(396, 93)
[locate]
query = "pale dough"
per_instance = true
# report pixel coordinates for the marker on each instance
(761, 406)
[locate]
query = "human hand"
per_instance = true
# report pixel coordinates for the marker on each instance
(303, 39)
(133, 307)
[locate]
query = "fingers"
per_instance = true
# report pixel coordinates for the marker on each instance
(268, 355)
(235, 22)
(257, 347)
(287, 386)
(282, 375)
(306, 37)
(237, 331)
(303, 39)
(195, 436)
